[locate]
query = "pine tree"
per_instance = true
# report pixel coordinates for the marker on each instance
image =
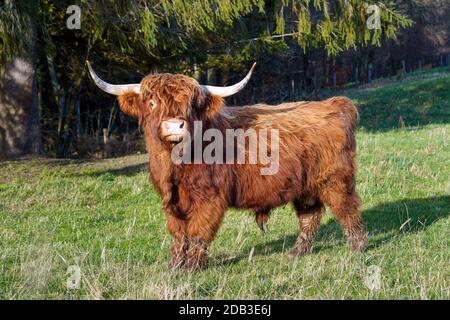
(190, 37)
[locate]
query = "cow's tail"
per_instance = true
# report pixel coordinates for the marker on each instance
(350, 110)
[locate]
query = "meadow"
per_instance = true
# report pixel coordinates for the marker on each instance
(105, 217)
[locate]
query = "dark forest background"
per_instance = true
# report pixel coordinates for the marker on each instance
(305, 49)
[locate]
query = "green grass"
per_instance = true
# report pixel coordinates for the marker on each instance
(417, 103)
(430, 73)
(105, 217)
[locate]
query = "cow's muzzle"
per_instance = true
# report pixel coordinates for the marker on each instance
(173, 130)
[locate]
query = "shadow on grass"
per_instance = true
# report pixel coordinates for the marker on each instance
(383, 222)
(128, 171)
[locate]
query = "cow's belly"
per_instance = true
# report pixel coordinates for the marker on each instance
(255, 191)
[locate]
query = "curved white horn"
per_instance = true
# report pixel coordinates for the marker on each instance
(115, 89)
(229, 91)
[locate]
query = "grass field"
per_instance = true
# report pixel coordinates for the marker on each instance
(105, 217)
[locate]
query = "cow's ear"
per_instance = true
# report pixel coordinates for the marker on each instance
(129, 104)
(213, 104)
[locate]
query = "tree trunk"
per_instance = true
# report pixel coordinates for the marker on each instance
(20, 131)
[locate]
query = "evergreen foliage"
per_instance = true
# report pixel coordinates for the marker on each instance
(190, 37)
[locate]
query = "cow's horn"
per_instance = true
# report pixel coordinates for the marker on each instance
(115, 89)
(229, 91)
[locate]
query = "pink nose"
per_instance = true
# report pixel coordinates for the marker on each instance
(174, 125)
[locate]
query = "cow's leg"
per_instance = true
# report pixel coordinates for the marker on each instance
(261, 218)
(202, 226)
(344, 202)
(309, 214)
(178, 250)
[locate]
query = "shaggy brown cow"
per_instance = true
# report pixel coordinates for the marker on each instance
(317, 151)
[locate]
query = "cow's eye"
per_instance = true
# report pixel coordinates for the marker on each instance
(152, 104)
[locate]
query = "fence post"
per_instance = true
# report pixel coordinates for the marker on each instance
(369, 73)
(253, 99)
(442, 60)
(292, 85)
(78, 119)
(404, 67)
(263, 90)
(334, 79)
(357, 76)
(197, 73)
(420, 65)
(334, 73)
(106, 145)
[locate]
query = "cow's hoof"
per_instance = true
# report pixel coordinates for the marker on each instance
(358, 244)
(194, 264)
(300, 250)
(176, 263)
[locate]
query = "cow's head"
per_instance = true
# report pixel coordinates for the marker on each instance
(169, 103)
